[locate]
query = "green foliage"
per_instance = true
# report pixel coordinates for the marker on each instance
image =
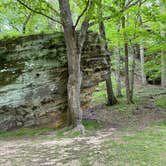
(14, 17)
(153, 70)
(9, 34)
(161, 102)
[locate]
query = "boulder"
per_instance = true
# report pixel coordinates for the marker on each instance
(33, 79)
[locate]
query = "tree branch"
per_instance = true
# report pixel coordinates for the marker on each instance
(49, 6)
(134, 3)
(38, 12)
(83, 12)
(26, 22)
(14, 27)
(129, 2)
(82, 34)
(96, 22)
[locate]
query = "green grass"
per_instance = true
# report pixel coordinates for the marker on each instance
(100, 95)
(133, 147)
(61, 133)
(24, 132)
(140, 97)
(91, 124)
(161, 102)
(144, 148)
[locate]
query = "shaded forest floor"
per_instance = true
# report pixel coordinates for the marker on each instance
(118, 135)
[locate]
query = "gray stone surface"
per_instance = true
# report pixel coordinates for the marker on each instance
(33, 79)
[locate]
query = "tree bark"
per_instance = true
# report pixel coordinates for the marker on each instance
(133, 71)
(143, 76)
(127, 79)
(118, 69)
(110, 93)
(118, 74)
(26, 22)
(163, 58)
(163, 69)
(141, 50)
(74, 71)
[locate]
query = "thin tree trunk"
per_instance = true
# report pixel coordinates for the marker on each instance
(118, 69)
(163, 58)
(133, 71)
(143, 76)
(141, 50)
(127, 79)
(118, 74)
(163, 69)
(110, 93)
(26, 22)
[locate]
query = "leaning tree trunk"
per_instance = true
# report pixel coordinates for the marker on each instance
(110, 93)
(74, 80)
(127, 79)
(163, 56)
(26, 22)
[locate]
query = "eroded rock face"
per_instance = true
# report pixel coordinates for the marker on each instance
(33, 79)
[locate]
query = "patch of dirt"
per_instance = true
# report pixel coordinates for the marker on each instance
(153, 114)
(50, 151)
(140, 117)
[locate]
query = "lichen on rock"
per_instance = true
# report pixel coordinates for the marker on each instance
(33, 79)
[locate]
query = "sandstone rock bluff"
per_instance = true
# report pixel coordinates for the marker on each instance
(33, 79)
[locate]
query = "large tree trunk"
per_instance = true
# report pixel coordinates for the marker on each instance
(110, 93)
(74, 56)
(143, 76)
(163, 58)
(127, 79)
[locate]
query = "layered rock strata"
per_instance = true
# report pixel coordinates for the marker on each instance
(33, 79)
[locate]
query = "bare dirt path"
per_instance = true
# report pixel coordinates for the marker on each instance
(49, 151)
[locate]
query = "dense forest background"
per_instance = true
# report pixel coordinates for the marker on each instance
(145, 23)
(145, 26)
